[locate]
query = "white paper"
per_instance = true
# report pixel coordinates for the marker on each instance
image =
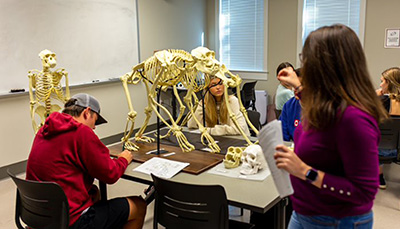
(269, 137)
(235, 172)
(161, 167)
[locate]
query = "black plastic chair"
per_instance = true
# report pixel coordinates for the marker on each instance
(40, 204)
(248, 94)
(254, 117)
(390, 138)
(179, 205)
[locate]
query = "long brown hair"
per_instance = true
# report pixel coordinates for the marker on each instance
(392, 76)
(335, 75)
(211, 113)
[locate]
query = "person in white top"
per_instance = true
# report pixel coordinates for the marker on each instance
(217, 118)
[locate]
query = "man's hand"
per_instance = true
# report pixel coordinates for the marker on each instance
(127, 155)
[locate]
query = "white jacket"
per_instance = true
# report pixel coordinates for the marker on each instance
(225, 129)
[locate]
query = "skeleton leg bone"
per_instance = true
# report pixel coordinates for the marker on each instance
(176, 130)
(139, 137)
(182, 109)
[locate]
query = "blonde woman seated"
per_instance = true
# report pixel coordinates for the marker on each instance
(389, 93)
(217, 118)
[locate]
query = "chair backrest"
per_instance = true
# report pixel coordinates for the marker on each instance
(390, 135)
(254, 117)
(179, 205)
(40, 204)
(248, 94)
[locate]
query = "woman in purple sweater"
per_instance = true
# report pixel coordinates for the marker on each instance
(334, 167)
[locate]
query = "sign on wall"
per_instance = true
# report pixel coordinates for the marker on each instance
(392, 38)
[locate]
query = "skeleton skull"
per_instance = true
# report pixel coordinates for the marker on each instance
(49, 59)
(206, 61)
(253, 160)
(233, 157)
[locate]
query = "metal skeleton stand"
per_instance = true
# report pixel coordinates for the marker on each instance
(159, 150)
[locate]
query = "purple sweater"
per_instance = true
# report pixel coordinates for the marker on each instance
(348, 154)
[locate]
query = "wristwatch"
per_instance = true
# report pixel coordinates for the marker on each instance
(311, 175)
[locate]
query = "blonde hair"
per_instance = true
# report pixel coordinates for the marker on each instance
(211, 113)
(392, 76)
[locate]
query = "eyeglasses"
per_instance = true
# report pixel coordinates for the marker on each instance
(216, 84)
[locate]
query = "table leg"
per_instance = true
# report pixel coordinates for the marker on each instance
(281, 213)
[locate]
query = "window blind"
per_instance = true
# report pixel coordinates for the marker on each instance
(317, 13)
(241, 34)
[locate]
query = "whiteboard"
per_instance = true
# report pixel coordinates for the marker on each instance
(93, 39)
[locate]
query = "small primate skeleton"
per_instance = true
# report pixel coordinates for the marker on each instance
(164, 69)
(44, 86)
(167, 68)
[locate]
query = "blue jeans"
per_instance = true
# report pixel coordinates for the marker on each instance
(387, 153)
(298, 221)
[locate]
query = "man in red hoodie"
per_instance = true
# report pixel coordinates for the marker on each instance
(67, 151)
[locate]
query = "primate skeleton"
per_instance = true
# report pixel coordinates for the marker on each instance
(167, 68)
(44, 86)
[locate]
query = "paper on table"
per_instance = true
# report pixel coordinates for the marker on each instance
(235, 172)
(269, 137)
(161, 167)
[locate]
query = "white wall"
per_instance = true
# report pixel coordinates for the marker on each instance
(380, 15)
(162, 24)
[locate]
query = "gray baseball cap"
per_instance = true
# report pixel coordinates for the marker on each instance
(86, 100)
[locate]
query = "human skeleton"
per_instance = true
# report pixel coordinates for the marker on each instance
(167, 68)
(44, 86)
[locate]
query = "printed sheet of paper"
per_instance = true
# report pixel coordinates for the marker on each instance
(269, 137)
(235, 172)
(161, 167)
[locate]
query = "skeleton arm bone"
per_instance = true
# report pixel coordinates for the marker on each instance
(33, 102)
(194, 122)
(131, 115)
(182, 107)
(64, 73)
(233, 117)
(244, 111)
(32, 85)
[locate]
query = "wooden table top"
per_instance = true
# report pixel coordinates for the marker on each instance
(199, 160)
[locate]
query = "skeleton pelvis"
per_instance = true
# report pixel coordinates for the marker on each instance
(42, 113)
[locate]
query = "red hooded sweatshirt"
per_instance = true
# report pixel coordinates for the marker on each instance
(70, 154)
